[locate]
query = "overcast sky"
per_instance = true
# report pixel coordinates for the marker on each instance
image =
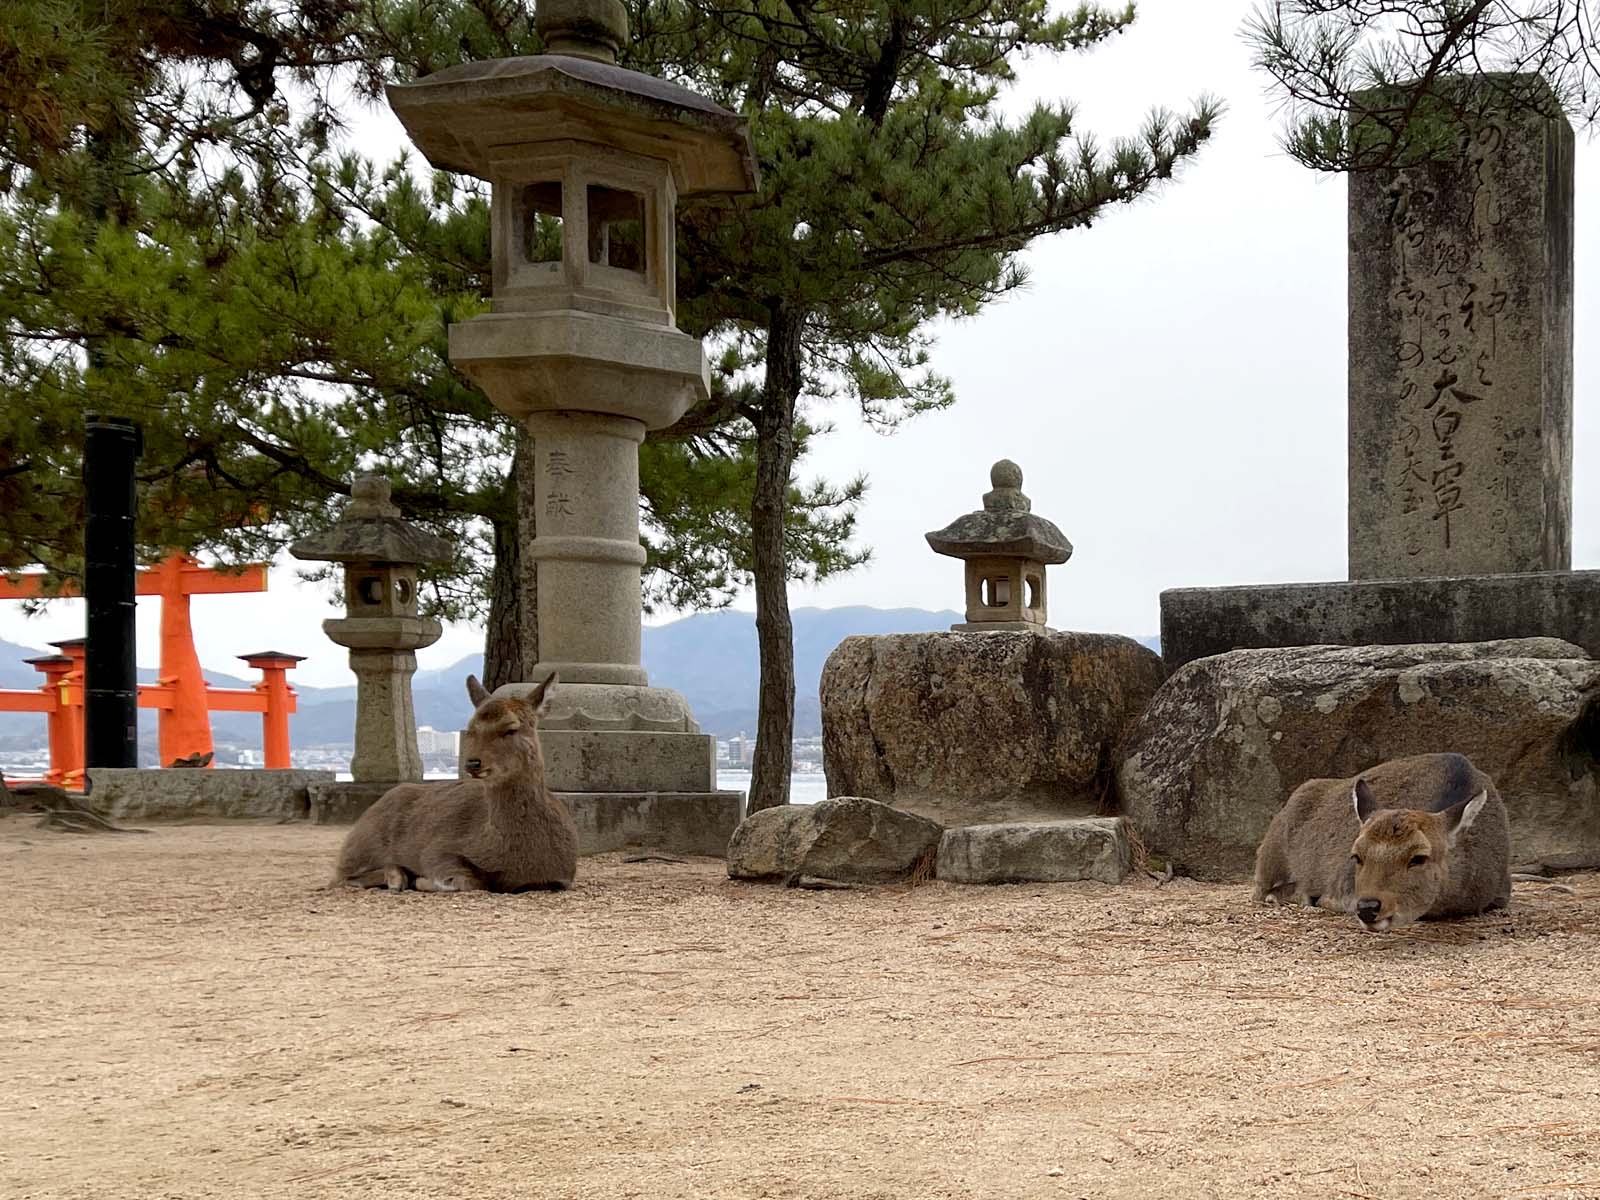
(1172, 382)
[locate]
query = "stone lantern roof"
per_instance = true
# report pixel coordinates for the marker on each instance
(461, 115)
(1004, 527)
(373, 531)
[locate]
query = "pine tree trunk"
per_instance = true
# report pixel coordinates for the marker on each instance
(769, 775)
(511, 641)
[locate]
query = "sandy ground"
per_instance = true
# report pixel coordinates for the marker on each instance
(187, 1014)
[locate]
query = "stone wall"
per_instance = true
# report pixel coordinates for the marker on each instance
(178, 794)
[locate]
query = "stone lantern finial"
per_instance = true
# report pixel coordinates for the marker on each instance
(1006, 549)
(592, 29)
(1005, 477)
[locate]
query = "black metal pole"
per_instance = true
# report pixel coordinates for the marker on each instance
(111, 690)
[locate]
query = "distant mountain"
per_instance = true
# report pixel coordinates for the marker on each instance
(710, 657)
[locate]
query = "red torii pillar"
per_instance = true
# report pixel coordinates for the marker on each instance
(184, 722)
(58, 717)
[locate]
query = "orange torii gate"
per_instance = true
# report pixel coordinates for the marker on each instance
(180, 692)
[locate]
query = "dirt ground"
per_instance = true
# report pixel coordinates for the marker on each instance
(188, 1014)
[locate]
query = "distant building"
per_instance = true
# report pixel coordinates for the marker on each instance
(437, 741)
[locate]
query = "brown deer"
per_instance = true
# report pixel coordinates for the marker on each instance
(1412, 838)
(500, 830)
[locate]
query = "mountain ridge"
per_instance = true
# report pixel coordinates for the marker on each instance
(710, 658)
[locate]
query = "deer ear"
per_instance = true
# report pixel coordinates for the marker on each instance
(539, 698)
(1365, 802)
(1459, 817)
(476, 692)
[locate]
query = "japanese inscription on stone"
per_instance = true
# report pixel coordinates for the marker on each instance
(1460, 357)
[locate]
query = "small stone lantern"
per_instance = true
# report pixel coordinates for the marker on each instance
(1006, 549)
(380, 551)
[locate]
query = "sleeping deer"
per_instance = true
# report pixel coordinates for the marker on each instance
(499, 830)
(1412, 838)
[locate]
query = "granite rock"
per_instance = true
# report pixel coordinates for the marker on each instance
(848, 838)
(1228, 738)
(971, 728)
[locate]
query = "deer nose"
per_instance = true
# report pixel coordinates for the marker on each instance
(474, 766)
(1367, 910)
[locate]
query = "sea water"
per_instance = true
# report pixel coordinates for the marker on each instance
(803, 788)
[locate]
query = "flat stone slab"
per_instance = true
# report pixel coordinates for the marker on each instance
(180, 793)
(1200, 622)
(1094, 848)
(674, 822)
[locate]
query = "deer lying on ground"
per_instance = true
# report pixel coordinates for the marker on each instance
(500, 830)
(1412, 838)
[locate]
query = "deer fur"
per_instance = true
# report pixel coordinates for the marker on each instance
(499, 830)
(1410, 839)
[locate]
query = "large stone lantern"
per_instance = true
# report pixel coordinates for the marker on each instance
(1006, 549)
(587, 161)
(380, 552)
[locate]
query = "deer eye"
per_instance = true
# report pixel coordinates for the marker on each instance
(508, 732)
(1418, 859)
(1356, 858)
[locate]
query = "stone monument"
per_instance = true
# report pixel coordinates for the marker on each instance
(380, 552)
(587, 161)
(1461, 358)
(1460, 414)
(1005, 549)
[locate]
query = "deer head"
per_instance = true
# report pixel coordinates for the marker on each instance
(1401, 855)
(502, 736)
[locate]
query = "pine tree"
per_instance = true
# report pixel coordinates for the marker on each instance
(1375, 83)
(204, 259)
(894, 192)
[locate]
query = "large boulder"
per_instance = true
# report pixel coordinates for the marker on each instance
(849, 838)
(1227, 738)
(976, 728)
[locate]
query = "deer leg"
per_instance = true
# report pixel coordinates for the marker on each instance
(396, 879)
(450, 873)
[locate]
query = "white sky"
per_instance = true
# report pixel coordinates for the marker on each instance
(1172, 382)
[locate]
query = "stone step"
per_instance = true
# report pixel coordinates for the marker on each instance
(1036, 852)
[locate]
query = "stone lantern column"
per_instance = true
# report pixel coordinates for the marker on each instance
(380, 552)
(587, 161)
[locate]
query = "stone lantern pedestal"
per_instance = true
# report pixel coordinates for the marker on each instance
(380, 553)
(1001, 730)
(587, 161)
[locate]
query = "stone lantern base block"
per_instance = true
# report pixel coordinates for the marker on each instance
(341, 803)
(628, 760)
(674, 822)
(671, 822)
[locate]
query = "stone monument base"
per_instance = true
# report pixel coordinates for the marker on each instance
(340, 803)
(1199, 622)
(697, 822)
(628, 760)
